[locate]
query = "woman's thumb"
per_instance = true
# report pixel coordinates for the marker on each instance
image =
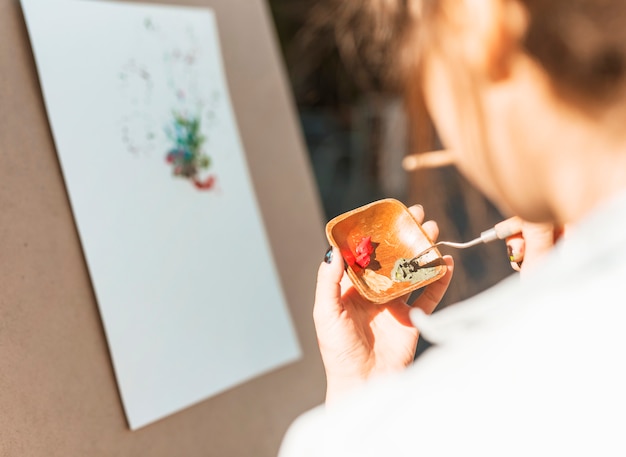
(328, 288)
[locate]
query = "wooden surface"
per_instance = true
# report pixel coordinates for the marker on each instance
(394, 234)
(58, 395)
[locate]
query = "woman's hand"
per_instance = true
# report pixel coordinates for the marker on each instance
(528, 247)
(359, 339)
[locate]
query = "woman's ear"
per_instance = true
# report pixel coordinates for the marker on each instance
(497, 28)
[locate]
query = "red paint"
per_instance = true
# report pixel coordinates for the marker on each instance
(348, 257)
(363, 252)
(208, 183)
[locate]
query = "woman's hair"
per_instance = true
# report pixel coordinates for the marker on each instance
(580, 43)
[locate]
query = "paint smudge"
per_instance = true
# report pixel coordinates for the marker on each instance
(186, 156)
(376, 282)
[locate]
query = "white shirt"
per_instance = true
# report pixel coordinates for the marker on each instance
(532, 367)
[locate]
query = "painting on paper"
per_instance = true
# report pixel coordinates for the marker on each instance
(157, 178)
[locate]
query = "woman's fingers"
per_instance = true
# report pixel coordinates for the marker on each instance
(328, 290)
(417, 211)
(532, 244)
(515, 246)
(433, 293)
(430, 227)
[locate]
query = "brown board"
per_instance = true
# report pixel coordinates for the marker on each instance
(58, 395)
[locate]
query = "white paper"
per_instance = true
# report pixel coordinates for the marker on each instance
(184, 277)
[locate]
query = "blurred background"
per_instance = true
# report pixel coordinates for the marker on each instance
(356, 136)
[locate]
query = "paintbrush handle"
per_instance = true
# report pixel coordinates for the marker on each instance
(502, 230)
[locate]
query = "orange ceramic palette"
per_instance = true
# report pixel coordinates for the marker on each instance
(385, 231)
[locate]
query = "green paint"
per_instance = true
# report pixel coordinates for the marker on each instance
(405, 270)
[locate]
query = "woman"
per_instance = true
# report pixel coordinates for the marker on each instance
(529, 94)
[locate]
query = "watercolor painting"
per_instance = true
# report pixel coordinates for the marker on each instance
(158, 181)
(192, 113)
(186, 156)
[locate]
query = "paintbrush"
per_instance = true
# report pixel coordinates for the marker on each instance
(405, 269)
